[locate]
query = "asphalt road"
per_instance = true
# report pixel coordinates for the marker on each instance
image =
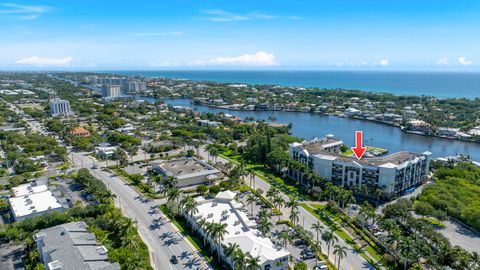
(156, 230)
(353, 261)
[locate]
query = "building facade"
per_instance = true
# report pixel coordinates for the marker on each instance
(240, 230)
(111, 90)
(137, 86)
(60, 107)
(393, 173)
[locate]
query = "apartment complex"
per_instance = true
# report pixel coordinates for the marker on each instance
(240, 230)
(60, 107)
(392, 173)
(71, 247)
(111, 90)
(137, 86)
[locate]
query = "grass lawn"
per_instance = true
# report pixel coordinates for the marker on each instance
(342, 234)
(141, 188)
(370, 246)
(266, 175)
(433, 221)
(369, 148)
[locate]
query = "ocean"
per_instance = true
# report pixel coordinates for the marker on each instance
(437, 84)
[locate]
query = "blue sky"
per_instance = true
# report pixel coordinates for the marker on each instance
(227, 34)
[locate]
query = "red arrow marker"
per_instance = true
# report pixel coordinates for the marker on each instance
(358, 150)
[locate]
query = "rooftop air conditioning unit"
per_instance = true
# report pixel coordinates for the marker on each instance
(210, 215)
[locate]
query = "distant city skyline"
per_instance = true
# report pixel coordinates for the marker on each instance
(431, 35)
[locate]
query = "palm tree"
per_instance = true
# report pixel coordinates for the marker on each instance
(240, 259)
(278, 202)
(341, 252)
(272, 193)
(407, 249)
(264, 226)
(189, 206)
(173, 194)
(292, 203)
(203, 224)
(218, 232)
(294, 216)
(317, 247)
(253, 263)
(318, 228)
(264, 214)
(251, 175)
(330, 238)
(251, 200)
(285, 237)
(230, 250)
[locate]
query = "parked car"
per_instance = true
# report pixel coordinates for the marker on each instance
(298, 242)
(309, 255)
(174, 259)
(304, 251)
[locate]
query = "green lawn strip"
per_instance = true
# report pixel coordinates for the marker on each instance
(267, 176)
(340, 232)
(369, 148)
(371, 246)
(141, 188)
(195, 241)
(275, 211)
(433, 221)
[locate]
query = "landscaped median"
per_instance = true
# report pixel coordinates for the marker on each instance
(139, 186)
(194, 240)
(342, 234)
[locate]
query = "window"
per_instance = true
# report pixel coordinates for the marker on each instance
(267, 267)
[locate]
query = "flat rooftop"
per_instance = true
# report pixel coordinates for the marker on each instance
(241, 230)
(185, 166)
(316, 146)
(396, 159)
(34, 203)
(74, 248)
(27, 189)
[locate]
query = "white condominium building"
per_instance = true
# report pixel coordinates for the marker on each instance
(137, 86)
(240, 230)
(392, 173)
(60, 107)
(111, 90)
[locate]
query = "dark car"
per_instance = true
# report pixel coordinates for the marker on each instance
(298, 242)
(305, 251)
(174, 259)
(308, 255)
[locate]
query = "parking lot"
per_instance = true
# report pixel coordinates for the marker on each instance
(298, 249)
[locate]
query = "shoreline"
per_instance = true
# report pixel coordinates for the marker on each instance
(225, 107)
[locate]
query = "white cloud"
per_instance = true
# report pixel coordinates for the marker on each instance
(153, 34)
(22, 12)
(220, 15)
(464, 61)
(385, 62)
(258, 59)
(42, 61)
(443, 61)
